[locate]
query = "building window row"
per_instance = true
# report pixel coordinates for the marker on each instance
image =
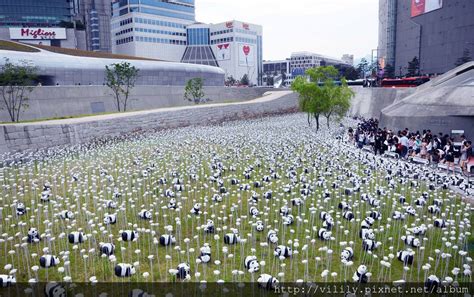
(246, 40)
(124, 40)
(126, 22)
(222, 32)
(124, 31)
(245, 31)
(222, 40)
(145, 30)
(159, 23)
(160, 40)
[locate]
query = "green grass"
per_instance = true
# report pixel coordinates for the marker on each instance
(18, 47)
(87, 196)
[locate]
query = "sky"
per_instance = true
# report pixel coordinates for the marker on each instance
(328, 27)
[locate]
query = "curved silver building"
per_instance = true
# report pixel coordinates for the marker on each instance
(63, 69)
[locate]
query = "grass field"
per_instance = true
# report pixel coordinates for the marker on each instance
(84, 178)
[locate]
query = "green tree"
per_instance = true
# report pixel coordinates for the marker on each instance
(466, 57)
(16, 83)
(230, 81)
(193, 91)
(363, 67)
(121, 78)
(413, 67)
(339, 100)
(245, 80)
(350, 73)
(389, 71)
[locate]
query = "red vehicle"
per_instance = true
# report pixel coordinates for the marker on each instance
(408, 82)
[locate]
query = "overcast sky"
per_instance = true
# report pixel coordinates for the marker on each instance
(329, 27)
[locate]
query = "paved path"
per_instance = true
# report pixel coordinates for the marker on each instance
(268, 96)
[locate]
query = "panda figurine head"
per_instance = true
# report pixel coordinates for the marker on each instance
(267, 282)
(347, 254)
(259, 226)
(360, 275)
(33, 235)
(251, 264)
(272, 236)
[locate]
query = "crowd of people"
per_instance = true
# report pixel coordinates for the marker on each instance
(437, 148)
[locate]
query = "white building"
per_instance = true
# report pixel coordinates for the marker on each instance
(168, 31)
(348, 59)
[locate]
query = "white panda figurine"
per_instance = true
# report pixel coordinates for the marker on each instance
(367, 234)
(45, 196)
(284, 251)
(347, 254)
(217, 198)
(205, 255)
(209, 227)
(328, 223)
(111, 204)
(76, 237)
(259, 226)
(129, 235)
(7, 280)
(407, 257)
(124, 270)
(431, 284)
(110, 219)
(196, 209)
(184, 271)
(254, 211)
(268, 195)
(411, 240)
(419, 230)
(20, 209)
(411, 211)
(376, 215)
(324, 234)
(360, 276)
(440, 223)
(172, 204)
(66, 214)
(348, 215)
(251, 264)
(398, 216)
(367, 223)
(169, 193)
(232, 238)
(284, 210)
(145, 214)
(272, 236)
(47, 261)
(297, 201)
(167, 239)
(288, 220)
(434, 209)
(369, 245)
(268, 282)
(107, 249)
(33, 236)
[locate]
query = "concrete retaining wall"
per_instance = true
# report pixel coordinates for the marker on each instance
(369, 102)
(33, 136)
(60, 101)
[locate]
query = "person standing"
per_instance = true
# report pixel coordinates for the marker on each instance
(404, 144)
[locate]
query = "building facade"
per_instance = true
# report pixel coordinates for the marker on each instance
(348, 59)
(47, 22)
(437, 32)
(277, 73)
(302, 61)
(95, 15)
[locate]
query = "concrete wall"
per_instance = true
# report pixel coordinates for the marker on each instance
(51, 101)
(369, 102)
(32, 136)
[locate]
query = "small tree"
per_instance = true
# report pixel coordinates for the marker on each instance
(230, 81)
(193, 91)
(413, 67)
(389, 71)
(16, 83)
(121, 78)
(351, 73)
(245, 80)
(466, 57)
(339, 100)
(363, 67)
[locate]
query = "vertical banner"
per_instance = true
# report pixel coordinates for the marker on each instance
(419, 7)
(246, 55)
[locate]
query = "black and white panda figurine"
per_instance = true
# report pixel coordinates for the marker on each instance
(145, 214)
(76, 237)
(184, 271)
(124, 270)
(367, 223)
(419, 230)
(66, 214)
(205, 255)
(268, 195)
(398, 216)
(360, 276)
(209, 227)
(284, 251)
(54, 289)
(324, 215)
(376, 215)
(407, 257)
(196, 208)
(167, 239)
(33, 235)
(296, 201)
(369, 245)
(45, 196)
(169, 193)
(162, 181)
(259, 227)
(284, 210)
(268, 282)
(232, 238)
(129, 235)
(251, 264)
(234, 181)
(374, 202)
(20, 209)
(107, 249)
(411, 241)
(110, 219)
(347, 254)
(288, 220)
(111, 204)
(344, 206)
(172, 204)
(434, 209)
(179, 188)
(411, 211)
(47, 261)
(348, 215)
(367, 234)
(254, 211)
(7, 280)
(431, 284)
(324, 234)
(440, 223)
(421, 201)
(328, 223)
(272, 236)
(217, 198)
